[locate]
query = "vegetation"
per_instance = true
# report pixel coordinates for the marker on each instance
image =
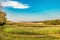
(29, 30)
(14, 37)
(18, 33)
(33, 30)
(52, 22)
(2, 18)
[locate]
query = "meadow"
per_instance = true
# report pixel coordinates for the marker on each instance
(33, 30)
(29, 31)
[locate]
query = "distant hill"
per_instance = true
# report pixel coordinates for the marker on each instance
(46, 22)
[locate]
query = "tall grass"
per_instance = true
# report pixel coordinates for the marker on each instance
(33, 30)
(5, 33)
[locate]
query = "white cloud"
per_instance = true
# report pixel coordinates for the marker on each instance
(14, 4)
(4, 0)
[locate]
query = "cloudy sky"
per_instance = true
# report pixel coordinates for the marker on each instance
(31, 10)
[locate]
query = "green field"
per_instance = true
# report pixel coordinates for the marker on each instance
(33, 30)
(29, 33)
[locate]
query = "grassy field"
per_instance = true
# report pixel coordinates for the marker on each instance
(33, 30)
(29, 33)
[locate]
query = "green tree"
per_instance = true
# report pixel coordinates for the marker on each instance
(52, 22)
(2, 18)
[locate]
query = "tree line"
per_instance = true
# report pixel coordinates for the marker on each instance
(3, 20)
(52, 22)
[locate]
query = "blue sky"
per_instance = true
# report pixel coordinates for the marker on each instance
(32, 10)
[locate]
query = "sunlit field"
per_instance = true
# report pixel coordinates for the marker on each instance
(14, 32)
(33, 30)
